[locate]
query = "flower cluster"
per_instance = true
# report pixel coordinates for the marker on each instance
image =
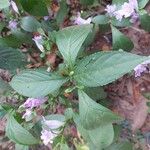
(139, 69)
(29, 105)
(127, 10)
(50, 130)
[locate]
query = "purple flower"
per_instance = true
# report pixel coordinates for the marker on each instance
(46, 18)
(134, 17)
(127, 10)
(79, 21)
(51, 130)
(134, 4)
(14, 6)
(39, 42)
(33, 102)
(139, 69)
(47, 136)
(12, 24)
(28, 115)
(119, 15)
(110, 9)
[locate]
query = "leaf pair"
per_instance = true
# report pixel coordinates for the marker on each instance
(95, 70)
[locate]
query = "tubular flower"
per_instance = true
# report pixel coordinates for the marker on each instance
(33, 102)
(50, 130)
(47, 136)
(14, 6)
(111, 9)
(39, 42)
(12, 24)
(79, 21)
(46, 18)
(127, 10)
(27, 115)
(139, 69)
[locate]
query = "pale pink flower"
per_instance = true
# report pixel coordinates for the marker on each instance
(119, 15)
(111, 9)
(14, 6)
(12, 24)
(27, 115)
(46, 18)
(51, 130)
(33, 102)
(134, 4)
(47, 136)
(39, 42)
(79, 21)
(139, 69)
(49, 69)
(127, 10)
(134, 17)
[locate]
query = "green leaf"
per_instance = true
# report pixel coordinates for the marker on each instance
(70, 40)
(105, 67)
(97, 138)
(15, 39)
(145, 22)
(23, 37)
(40, 82)
(147, 95)
(69, 113)
(2, 25)
(62, 13)
(58, 117)
(30, 24)
(142, 3)
(89, 108)
(100, 19)
(101, 137)
(124, 23)
(21, 147)
(119, 2)
(35, 7)
(11, 59)
(3, 112)
(10, 41)
(4, 86)
(18, 134)
(126, 145)
(86, 2)
(120, 41)
(4, 4)
(95, 93)
(64, 147)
